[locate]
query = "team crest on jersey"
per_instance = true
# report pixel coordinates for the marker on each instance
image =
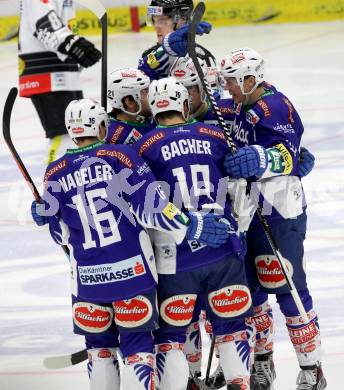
(230, 301)
(178, 310)
(134, 312)
(269, 271)
(252, 117)
(133, 137)
(91, 317)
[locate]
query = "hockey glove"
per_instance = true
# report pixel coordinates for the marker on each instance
(37, 212)
(81, 50)
(207, 229)
(246, 162)
(175, 43)
(306, 162)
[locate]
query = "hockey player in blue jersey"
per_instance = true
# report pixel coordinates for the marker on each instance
(170, 20)
(184, 70)
(269, 131)
(130, 116)
(101, 198)
(188, 156)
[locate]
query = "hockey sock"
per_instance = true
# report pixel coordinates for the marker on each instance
(193, 348)
(103, 369)
(139, 372)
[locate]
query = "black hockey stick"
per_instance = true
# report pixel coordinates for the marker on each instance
(99, 10)
(63, 361)
(6, 127)
(53, 362)
(197, 16)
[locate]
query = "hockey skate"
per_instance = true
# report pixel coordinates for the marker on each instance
(263, 373)
(194, 382)
(311, 378)
(217, 379)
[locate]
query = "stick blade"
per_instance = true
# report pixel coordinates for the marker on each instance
(6, 117)
(64, 361)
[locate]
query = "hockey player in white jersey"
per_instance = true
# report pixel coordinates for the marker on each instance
(51, 56)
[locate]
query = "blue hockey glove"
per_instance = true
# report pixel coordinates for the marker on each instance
(306, 162)
(175, 43)
(246, 162)
(37, 211)
(207, 229)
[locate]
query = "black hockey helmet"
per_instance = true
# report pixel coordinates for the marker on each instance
(173, 8)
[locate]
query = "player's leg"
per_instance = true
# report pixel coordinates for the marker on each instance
(229, 302)
(51, 111)
(263, 370)
(177, 294)
(193, 345)
(95, 322)
(136, 318)
(273, 282)
(305, 339)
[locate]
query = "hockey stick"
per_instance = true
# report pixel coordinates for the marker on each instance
(99, 10)
(197, 16)
(54, 361)
(6, 126)
(63, 361)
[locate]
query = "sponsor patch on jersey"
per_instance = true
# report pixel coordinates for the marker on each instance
(124, 270)
(91, 317)
(134, 312)
(304, 334)
(178, 310)
(230, 301)
(151, 141)
(123, 158)
(276, 160)
(262, 322)
(252, 117)
(269, 271)
(195, 245)
(264, 107)
(133, 137)
(61, 165)
(142, 169)
(227, 110)
(116, 134)
(152, 61)
(211, 132)
(170, 211)
(287, 158)
(290, 110)
(284, 128)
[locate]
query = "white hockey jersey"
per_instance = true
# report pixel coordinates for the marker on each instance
(44, 25)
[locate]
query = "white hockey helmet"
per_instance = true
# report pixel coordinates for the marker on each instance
(168, 94)
(184, 70)
(126, 82)
(241, 63)
(83, 117)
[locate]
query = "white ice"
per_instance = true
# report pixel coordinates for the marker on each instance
(306, 62)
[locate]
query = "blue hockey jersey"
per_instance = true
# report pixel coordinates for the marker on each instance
(188, 158)
(101, 198)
